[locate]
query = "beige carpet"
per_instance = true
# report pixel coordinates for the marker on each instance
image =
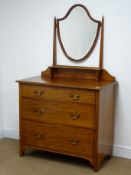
(42, 163)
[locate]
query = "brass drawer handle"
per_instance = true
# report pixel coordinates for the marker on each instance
(39, 135)
(38, 93)
(74, 116)
(39, 111)
(74, 142)
(75, 96)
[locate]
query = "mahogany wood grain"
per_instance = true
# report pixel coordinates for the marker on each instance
(101, 44)
(28, 147)
(54, 44)
(106, 122)
(47, 106)
(56, 137)
(21, 149)
(71, 83)
(59, 113)
(77, 73)
(58, 94)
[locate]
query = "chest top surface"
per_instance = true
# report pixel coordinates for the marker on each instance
(67, 83)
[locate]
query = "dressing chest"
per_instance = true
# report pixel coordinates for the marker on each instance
(68, 110)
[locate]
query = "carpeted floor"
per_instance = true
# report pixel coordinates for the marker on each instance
(42, 163)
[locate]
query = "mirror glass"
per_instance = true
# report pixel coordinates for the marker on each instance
(77, 33)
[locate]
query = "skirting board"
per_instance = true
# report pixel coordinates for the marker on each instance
(118, 151)
(1, 134)
(9, 134)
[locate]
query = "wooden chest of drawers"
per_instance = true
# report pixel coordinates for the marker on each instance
(72, 119)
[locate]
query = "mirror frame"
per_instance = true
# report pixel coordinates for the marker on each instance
(57, 33)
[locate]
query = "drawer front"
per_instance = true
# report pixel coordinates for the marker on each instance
(59, 138)
(58, 94)
(66, 114)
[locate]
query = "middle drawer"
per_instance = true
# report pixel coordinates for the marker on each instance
(60, 113)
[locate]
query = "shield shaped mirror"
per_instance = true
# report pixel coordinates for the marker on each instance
(77, 33)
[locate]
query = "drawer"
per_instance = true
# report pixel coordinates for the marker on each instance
(58, 138)
(66, 114)
(58, 94)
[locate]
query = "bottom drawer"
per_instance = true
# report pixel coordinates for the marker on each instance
(73, 140)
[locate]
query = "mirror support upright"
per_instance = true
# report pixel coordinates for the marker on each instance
(101, 45)
(54, 43)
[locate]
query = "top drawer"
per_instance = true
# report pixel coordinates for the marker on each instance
(58, 94)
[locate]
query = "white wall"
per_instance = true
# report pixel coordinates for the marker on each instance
(1, 95)
(26, 38)
(1, 98)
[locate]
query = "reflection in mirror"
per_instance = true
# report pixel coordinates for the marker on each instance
(78, 33)
(92, 62)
